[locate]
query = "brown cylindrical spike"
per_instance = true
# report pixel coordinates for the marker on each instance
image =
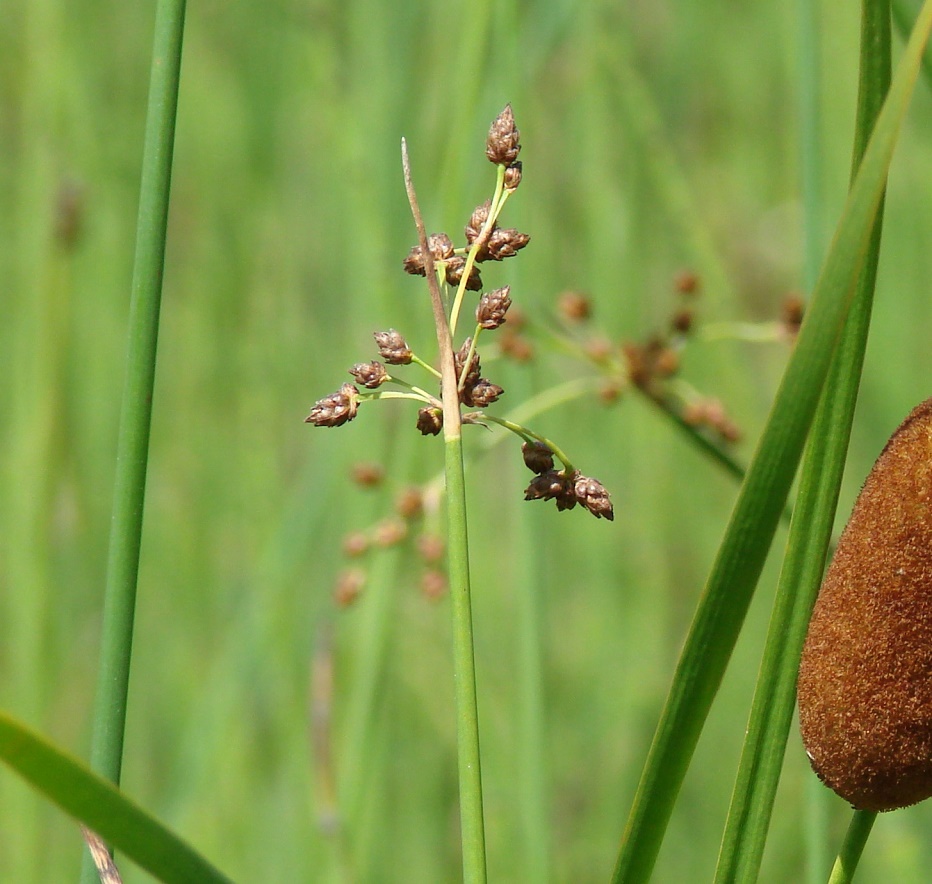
(865, 678)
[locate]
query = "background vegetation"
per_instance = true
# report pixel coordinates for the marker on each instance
(656, 136)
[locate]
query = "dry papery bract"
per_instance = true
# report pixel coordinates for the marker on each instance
(865, 678)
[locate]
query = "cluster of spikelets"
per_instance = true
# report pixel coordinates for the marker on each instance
(652, 365)
(458, 270)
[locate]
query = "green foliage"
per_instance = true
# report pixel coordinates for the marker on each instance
(657, 136)
(112, 816)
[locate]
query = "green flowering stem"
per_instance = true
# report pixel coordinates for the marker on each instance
(467, 362)
(862, 821)
(472, 826)
(498, 201)
(417, 392)
(526, 434)
(397, 394)
(418, 361)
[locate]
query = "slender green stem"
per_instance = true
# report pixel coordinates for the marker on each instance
(904, 17)
(815, 800)
(472, 826)
(418, 361)
(467, 362)
(416, 393)
(419, 396)
(860, 827)
(498, 201)
(467, 716)
(527, 435)
(136, 410)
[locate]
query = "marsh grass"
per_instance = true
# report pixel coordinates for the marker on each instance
(287, 222)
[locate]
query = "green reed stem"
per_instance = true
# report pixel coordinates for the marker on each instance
(467, 716)
(136, 409)
(472, 826)
(862, 821)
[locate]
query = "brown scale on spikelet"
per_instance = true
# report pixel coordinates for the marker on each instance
(865, 678)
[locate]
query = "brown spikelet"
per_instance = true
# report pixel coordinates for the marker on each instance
(865, 678)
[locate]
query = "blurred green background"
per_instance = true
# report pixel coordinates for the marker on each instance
(657, 136)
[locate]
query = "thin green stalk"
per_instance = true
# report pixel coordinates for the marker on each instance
(737, 568)
(136, 409)
(904, 16)
(811, 526)
(464, 669)
(472, 826)
(810, 79)
(862, 821)
(531, 717)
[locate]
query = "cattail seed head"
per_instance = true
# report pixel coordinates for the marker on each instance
(865, 678)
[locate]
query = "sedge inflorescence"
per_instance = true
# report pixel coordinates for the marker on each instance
(458, 270)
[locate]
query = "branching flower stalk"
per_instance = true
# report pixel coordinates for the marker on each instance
(451, 272)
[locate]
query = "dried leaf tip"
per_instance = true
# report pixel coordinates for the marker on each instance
(503, 144)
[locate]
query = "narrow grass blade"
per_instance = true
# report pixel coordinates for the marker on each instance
(904, 17)
(101, 806)
(136, 411)
(811, 527)
(741, 556)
